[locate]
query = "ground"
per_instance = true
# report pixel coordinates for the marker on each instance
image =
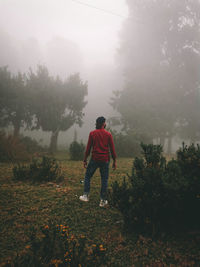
(24, 205)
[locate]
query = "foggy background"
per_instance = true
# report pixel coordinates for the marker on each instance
(67, 37)
(141, 60)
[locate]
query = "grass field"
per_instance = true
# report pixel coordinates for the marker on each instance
(24, 205)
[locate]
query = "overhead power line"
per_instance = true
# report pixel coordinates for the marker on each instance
(98, 8)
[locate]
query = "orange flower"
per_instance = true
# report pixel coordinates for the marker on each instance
(56, 262)
(66, 254)
(101, 248)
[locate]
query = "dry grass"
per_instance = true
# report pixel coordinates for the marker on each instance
(24, 205)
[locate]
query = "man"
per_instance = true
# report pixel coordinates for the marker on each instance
(101, 142)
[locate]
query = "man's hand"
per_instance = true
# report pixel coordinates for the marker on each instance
(114, 166)
(85, 164)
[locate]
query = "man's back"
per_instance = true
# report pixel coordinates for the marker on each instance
(101, 142)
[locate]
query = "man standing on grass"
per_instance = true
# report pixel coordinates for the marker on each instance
(101, 142)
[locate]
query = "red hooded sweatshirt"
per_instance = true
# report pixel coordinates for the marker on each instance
(101, 142)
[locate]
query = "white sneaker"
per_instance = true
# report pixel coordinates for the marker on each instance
(103, 203)
(84, 198)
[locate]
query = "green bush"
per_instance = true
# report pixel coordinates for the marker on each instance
(31, 145)
(55, 245)
(128, 144)
(76, 151)
(38, 171)
(158, 195)
(188, 158)
(17, 148)
(12, 149)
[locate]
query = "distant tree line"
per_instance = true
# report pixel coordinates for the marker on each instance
(159, 55)
(38, 101)
(160, 58)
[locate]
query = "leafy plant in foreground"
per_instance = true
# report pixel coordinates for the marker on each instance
(158, 195)
(55, 245)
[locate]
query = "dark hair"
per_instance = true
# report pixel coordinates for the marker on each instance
(99, 122)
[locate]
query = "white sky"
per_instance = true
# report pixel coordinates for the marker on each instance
(95, 31)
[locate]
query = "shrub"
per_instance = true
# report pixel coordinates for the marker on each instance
(12, 149)
(39, 171)
(141, 200)
(17, 148)
(128, 144)
(188, 158)
(158, 195)
(31, 145)
(76, 150)
(57, 246)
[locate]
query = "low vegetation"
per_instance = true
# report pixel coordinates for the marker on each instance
(45, 224)
(159, 195)
(76, 150)
(45, 170)
(12, 149)
(57, 246)
(17, 148)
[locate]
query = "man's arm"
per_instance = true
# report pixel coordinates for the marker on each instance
(87, 151)
(114, 165)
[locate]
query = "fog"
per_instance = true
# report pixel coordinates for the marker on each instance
(141, 60)
(67, 37)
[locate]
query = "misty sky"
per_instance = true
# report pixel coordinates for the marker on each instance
(94, 31)
(67, 37)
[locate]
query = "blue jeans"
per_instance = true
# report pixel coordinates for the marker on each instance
(104, 171)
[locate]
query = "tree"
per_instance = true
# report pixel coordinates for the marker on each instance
(14, 101)
(189, 125)
(57, 104)
(160, 57)
(5, 85)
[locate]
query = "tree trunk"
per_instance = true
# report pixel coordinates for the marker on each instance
(53, 142)
(162, 141)
(192, 140)
(16, 129)
(169, 145)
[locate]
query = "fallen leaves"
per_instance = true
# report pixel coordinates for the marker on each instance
(63, 189)
(24, 205)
